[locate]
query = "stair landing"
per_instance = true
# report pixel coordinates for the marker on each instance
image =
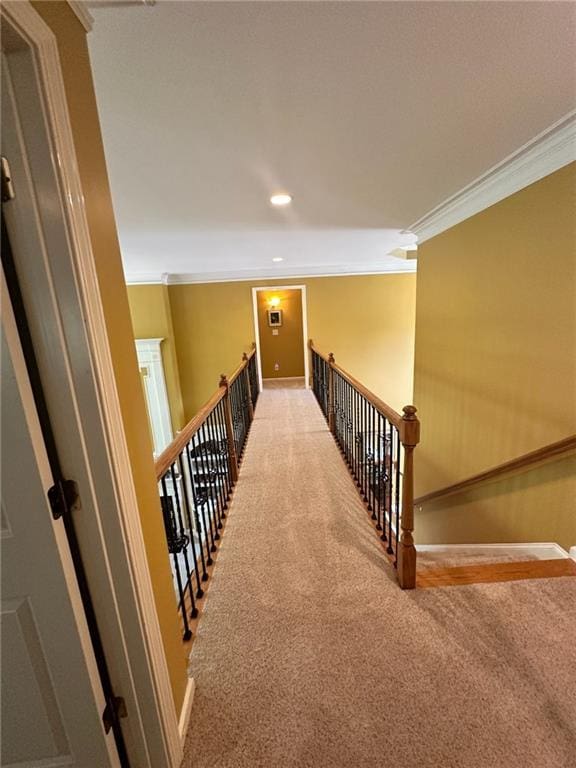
(499, 569)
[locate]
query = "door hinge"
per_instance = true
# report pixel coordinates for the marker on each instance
(7, 185)
(115, 709)
(63, 497)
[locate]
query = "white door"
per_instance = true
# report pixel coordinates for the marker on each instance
(51, 698)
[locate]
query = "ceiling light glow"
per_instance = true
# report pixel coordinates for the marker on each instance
(277, 258)
(281, 199)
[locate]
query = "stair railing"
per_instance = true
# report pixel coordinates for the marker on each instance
(524, 463)
(196, 475)
(378, 445)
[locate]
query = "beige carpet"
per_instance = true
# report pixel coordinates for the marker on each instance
(309, 655)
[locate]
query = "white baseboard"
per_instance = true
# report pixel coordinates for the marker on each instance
(186, 711)
(543, 550)
(572, 553)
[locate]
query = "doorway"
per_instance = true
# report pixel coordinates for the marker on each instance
(280, 326)
(57, 706)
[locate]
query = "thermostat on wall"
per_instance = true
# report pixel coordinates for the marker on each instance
(275, 332)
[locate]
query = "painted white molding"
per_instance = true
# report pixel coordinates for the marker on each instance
(242, 275)
(548, 152)
(147, 278)
(186, 709)
(82, 12)
(142, 646)
(149, 356)
(304, 327)
(572, 553)
(542, 550)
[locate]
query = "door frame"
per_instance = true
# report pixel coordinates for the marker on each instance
(89, 415)
(301, 288)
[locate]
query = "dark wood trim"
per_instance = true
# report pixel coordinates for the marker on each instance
(527, 460)
(488, 573)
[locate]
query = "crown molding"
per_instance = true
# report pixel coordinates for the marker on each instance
(548, 152)
(235, 276)
(83, 14)
(146, 278)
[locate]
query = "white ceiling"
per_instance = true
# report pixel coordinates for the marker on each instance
(368, 113)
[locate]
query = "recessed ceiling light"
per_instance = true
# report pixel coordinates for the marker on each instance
(281, 199)
(277, 258)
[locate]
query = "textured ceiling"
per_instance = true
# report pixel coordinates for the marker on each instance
(369, 114)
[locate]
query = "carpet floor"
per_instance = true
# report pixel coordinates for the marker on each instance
(308, 655)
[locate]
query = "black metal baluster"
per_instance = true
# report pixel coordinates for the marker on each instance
(347, 420)
(186, 539)
(215, 468)
(200, 526)
(363, 448)
(390, 497)
(397, 500)
(202, 498)
(378, 472)
(340, 415)
(350, 389)
(221, 447)
(207, 483)
(372, 465)
(357, 437)
(225, 449)
(173, 547)
(235, 407)
(246, 409)
(199, 590)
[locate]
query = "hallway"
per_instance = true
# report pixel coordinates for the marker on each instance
(308, 655)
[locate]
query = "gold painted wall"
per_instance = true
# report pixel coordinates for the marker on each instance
(73, 50)
(286, 347)
(367, 321)
(495, 366)
(152, 319)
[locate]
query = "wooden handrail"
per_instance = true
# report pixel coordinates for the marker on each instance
(172, 451)
(393, 416)
(408, 427)
(527, 460)
(243, 364)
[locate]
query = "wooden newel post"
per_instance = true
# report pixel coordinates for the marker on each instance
(229, 431)
(248, 387)
(331, 362)
(410, 436)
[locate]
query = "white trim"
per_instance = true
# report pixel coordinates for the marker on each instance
(572, 553)
(252, 276)
(543, 550)
(184, 720)
(549, 151)
(149, 355)
(83, 14)
(304, 327)
(147, 679)
(148, 278)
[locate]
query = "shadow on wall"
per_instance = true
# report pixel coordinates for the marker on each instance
(537, 505)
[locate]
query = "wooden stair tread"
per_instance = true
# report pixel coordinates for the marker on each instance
(488, 573)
